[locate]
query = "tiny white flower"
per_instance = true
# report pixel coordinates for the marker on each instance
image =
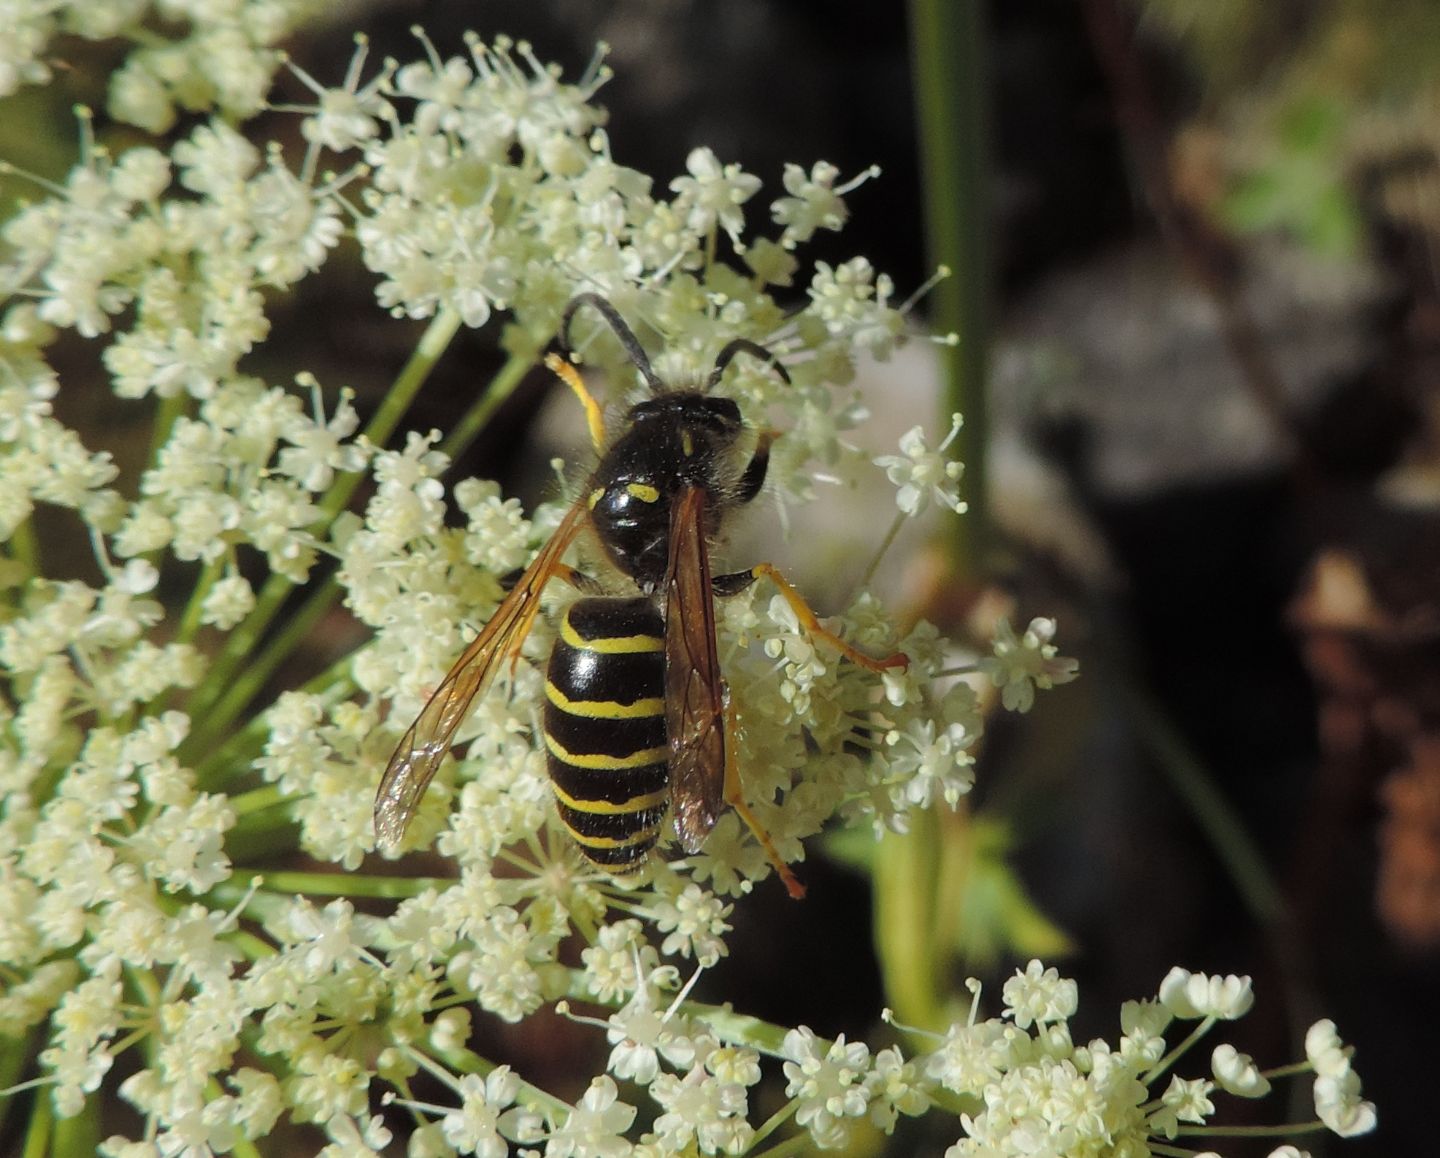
(713, 193)
(923, 474)
(1018, 666)
(1338, 1103)
(1039, 996)
(1237, 1072)
(594, 1127)
(828, 1085)
(1196, 995)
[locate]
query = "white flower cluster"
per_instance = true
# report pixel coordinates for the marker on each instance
(152, 814)
(212, 54)
(1040, 1092)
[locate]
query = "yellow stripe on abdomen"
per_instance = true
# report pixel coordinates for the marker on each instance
(604, 762)
(645, 708)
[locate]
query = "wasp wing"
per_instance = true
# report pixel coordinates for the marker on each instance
(694, 689)
(423, 747)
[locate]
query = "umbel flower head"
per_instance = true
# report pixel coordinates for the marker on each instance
(157, 943)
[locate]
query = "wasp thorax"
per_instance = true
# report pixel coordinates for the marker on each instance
(674, 441)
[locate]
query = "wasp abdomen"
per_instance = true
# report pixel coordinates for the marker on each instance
(604, 725)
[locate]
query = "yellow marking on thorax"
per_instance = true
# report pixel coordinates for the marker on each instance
(642, 709)
(605, 763)
(643, 491)
(687, 443)
(654, 799)
(595, 496)
(610, 644)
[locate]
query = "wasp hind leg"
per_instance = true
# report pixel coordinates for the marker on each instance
(737, 582)
(735, 798)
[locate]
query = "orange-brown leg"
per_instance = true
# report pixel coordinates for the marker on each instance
(735, 797)
(731, 584)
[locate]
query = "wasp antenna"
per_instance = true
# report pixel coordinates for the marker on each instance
(633, 349)
(743, 346)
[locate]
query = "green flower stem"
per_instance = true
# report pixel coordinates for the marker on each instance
(79, 1134)
(241, 644)
(257, 799)
(1191, 781)
(1284, 1130)
(190, 620)
(335, 884)
(433, 343)
(13, 1054)
(907, 920)
(275, 835)
(24, 548)
(242, 1147)
(948, 41)
(251, 680)
(252, 946)
(901, 518)
(473, 421)
(37, 1135)
(740, 1028)
(773, 1123)
(948, 49)
(234, 754)
(1158, 1070)
(166, 415)
(464, 1061)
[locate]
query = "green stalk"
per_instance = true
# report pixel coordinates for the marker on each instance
(80, 1134)
(473, 421)
(906, 921)
(13, 1054)
(190, 619)
(37, 1133)
(249, 682)
(948, 42)
(911, 908)
(1207, 805)
(243, 640)
(24, 548)
(333, 884)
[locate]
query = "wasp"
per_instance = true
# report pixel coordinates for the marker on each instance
(637, 719)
